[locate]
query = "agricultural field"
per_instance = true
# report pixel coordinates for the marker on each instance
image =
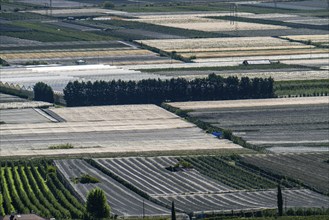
(14, 102)
(158, 180)
(130, 29)
(21, 116)
(279, 74)
(322, 40)
(199, 22)
(27, 186)
(309, 23)
(77, 12)
(300, 5)
(295, 88)
(76, 54)
(143, 156)
(289, 18)
(122, 200)
(67, 53)
(237, 49)
(5, 98)
(277, 125)
(317, 63)
(194, 192)
(306, 169)
(59, 76)
(104, 129)
(47, 32)
(244, 201)
(13, 44)
(7, 41)
(56, 3)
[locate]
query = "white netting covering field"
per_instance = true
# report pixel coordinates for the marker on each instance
(251, 103)
(130, 128)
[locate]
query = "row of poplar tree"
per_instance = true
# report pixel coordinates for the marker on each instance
(156, 91)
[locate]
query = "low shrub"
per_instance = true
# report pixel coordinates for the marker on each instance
(61, 146)
(85, 178)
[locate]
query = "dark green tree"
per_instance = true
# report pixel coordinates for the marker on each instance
(280, 200)
(108, 5)
(43, 92)
(152, 91)
(96, 205)
(173, 212)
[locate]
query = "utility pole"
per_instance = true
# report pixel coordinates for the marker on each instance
(234, 15)
(51, 7)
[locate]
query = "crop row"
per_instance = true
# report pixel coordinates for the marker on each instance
(299, 168)
(135, 26)
(151, 176)
(302, 88)
(21, 16)
(47, 33)
(246, 200)
(122, 200)
(29, 188)
(159, 178)
(63, 54)
(222, 171)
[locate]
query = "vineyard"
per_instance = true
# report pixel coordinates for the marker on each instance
(132, 76)
(198, 184)
(28, 187)
(122, 200)
(223, 171)
(302, 87)
(201, 184)
(158, 181)
(299, 167)
(244, 201)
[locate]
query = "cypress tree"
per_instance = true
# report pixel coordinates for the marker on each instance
(43, 92)
(173, 212)
(280, 201)
(96, 205)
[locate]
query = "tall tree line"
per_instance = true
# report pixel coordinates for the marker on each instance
(156, 91)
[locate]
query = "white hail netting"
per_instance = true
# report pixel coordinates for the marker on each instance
(107, 129)
(250, 103)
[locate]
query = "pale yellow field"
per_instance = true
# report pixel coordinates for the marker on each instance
(254, 52)
(324, 38)
(250, 103)
(201, 23)
(276, 75)
(77, 11)
(189, 16)
(238, 43)
(98, 53)
(243, 47)
(221, 49)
